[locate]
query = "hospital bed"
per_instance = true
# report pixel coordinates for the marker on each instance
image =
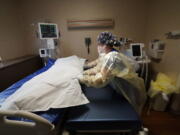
(21, 122)
(106, 112)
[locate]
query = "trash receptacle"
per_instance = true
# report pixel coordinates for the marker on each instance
(160, 102)
(175, 104)
(160, 91)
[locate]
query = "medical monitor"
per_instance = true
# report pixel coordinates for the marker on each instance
(136, 49)
(48, 31)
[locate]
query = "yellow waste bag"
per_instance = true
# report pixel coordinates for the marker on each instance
(163, 84)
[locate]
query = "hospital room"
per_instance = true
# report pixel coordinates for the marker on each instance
(89, 67)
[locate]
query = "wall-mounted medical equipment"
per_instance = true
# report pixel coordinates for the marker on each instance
(50, 33)
(87, 43)
(136, 50)
(156, 49)
(1, 62)
(124, 40)
(1, 59)
(43, 52)
(173, 34)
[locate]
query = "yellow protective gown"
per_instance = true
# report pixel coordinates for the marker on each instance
(118, 70)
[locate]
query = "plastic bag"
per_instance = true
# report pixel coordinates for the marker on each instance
(163, 84)
(110, 69)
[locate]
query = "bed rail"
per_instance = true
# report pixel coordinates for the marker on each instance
(39, 126)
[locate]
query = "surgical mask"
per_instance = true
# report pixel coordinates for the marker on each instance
(100, 50)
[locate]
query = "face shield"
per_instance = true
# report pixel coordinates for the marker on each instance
(101, 50)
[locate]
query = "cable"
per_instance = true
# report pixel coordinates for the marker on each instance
(146, 75)
(142, 71)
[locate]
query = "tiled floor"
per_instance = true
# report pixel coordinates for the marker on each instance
(162, 123)
(65, 133)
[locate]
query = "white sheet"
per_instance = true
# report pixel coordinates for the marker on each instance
(56, 88)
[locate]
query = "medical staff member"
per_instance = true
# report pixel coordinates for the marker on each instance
(117, 69)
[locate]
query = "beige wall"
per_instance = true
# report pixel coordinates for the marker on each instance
(11, 32)
(164, 16)
(129, 16)
(140, 20)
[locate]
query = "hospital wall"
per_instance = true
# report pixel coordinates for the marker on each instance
(129, 17)
(11, 30)
(163, 17)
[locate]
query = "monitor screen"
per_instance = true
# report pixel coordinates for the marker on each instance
(48, 31)
(42, 51)
(136, 50)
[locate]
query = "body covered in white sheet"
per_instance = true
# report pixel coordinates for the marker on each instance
(58, 87)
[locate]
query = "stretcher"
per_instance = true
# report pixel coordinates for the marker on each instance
(107, 112)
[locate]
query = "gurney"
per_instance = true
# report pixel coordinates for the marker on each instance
(107, 112)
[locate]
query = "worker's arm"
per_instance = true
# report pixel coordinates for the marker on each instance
(93, 71)
(112, 66)
(99, 79)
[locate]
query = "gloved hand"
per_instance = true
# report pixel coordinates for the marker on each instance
(93, 71)
(80, 76)
(84, 79)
